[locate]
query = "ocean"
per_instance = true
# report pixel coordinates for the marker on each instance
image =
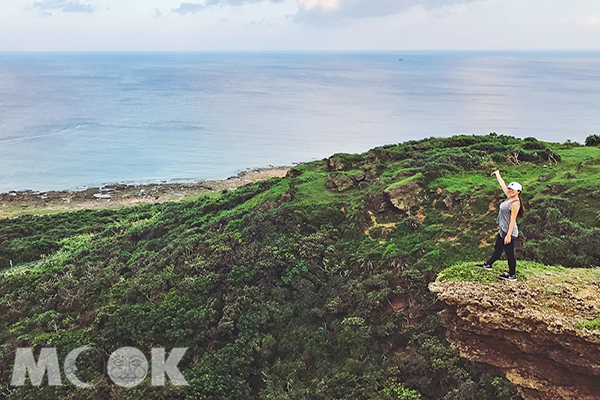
(74, 120)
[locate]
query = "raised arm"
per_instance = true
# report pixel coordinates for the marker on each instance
(501, 182)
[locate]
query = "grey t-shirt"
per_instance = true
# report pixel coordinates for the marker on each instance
(503, 219)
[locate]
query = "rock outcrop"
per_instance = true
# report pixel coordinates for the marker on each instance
(405, 196)
(530, 330)
(334, 163)
(339, 182)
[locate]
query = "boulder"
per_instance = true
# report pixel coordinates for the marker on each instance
(372, 158)
(405, 196)
(370, 173)
(293, 172)
(339, 182)
(359, 177)
(334, 163)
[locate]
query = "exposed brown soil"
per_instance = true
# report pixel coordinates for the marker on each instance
(528, 330)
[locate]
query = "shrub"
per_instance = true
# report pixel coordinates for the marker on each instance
(592, 140)
(397, 391)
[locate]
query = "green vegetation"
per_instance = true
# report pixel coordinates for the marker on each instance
(592, 140)
(466, 271)
(404, 181)
(593, 324)
(285, 289)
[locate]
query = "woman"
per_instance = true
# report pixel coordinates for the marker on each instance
(510, 209)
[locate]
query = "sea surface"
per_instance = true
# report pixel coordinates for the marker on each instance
(72, 120)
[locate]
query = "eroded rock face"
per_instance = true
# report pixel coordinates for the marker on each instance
(339, 182)
(405, 196)
(528, 333)
(334, 164)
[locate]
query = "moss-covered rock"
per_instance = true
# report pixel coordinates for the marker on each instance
(405, 194)
(339, 182)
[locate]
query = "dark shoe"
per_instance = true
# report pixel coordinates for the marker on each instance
(484, 266)
(507, 277)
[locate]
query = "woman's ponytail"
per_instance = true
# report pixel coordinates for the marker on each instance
(521, 207)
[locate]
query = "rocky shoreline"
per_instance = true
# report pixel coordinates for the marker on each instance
(15, 203)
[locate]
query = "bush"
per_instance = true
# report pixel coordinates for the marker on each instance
(397, 391)
(592, 140)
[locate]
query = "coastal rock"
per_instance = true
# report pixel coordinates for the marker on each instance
(528, 334)
(359, 177)
(377, 202)
(445, 198)
(371, 173)
(293, 173)
(339, 182)
(372, 158)
(334, 163)
(404, 197)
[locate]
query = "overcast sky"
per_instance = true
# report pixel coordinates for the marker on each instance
(299, 24)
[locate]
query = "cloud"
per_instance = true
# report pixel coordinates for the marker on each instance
(592, 21)
(323, 12)
(238, 2)
(453, 10)
(62, 5)
(261, 23)
(191, 8)
(157, 13)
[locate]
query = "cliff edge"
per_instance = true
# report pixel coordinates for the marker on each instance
(542, 331)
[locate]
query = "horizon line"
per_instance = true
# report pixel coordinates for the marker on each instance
(311, 51)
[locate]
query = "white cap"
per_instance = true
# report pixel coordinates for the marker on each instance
(515, 186)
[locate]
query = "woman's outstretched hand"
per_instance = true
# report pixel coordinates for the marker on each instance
(496, 172)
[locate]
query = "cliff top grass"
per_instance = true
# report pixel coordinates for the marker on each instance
(526, 271)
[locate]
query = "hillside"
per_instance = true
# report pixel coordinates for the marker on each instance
(314, 285)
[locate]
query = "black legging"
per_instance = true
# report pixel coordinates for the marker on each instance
(510, 253)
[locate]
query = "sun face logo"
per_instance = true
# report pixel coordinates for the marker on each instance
(127, 367)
